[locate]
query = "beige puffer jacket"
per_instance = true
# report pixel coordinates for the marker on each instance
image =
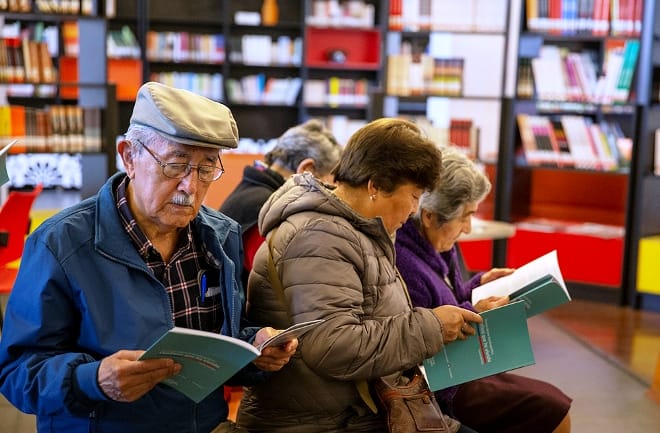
(337, 266)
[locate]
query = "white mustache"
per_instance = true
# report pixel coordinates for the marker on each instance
(183, 200)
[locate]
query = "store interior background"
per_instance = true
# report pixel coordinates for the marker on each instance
(603, 221)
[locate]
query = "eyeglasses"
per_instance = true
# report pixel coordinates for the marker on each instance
(176, 170)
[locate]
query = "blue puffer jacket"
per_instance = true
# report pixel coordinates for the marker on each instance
(83, 293)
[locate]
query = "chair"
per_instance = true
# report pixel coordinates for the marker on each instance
(14, 226)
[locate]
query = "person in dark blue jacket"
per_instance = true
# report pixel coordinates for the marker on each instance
(100, 281)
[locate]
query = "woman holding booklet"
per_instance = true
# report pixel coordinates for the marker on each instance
(332, 253)
(427, 257)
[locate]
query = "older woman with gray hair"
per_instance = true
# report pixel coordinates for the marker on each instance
(427, 258)
(308, 147)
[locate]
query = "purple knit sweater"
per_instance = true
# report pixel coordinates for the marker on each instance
(424, 270)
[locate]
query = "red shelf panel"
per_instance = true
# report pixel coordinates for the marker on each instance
(361, 46)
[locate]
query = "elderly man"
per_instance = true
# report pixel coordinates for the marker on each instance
(101, 281)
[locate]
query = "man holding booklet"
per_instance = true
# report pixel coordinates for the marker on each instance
(101, 281)
(427, 258)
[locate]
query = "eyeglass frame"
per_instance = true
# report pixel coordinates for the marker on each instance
(189, 167)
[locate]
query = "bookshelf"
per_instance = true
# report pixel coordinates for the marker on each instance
(588, 207)
(641, 276)
(64, 115)
(446, 69)
(318, 59)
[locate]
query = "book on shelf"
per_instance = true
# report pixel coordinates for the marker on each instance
(630, 54)
(539, 283)
(209, 359)
(502, 343)
(564, 159)
(548, 72)
(580, 142)
(539, 143)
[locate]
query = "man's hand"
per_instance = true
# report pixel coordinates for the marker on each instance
(273, 358)
(123, 378)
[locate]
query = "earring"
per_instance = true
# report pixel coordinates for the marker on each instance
(372, 197)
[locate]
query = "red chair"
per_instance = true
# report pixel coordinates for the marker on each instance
(14, 226)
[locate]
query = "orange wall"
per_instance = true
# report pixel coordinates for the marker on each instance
(234, 164)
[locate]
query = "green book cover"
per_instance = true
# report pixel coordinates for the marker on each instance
(502, 343)
(543, 294)
(208, 359)
(539, 283)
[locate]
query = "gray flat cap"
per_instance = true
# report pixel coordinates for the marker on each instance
(185, 117)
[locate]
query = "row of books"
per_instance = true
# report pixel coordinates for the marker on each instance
(410, 75)
(185, 47)
(259, 89)
(25, 61)
(72, 7)
(595, 17)
(448, 15)
(57, 128)
(563, 75)
(573, 141)
(336, 92)
(205, 84)
(263, 50)
(332, 13)
(342, 128)
(461, 134)
(122, 44)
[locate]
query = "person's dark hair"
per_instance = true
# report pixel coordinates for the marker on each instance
(462, 182)
(308, 140)
(389, 152)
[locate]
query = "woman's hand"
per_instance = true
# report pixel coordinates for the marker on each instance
(496, 273)
(456, 322)
(491, 302)
(273, 358)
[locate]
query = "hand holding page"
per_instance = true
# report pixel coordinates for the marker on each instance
(210, 359)
(539, 283)
(290, 333)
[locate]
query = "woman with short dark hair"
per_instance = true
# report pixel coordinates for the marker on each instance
(332, 251)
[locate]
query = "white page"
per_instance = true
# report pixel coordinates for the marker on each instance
(524, 275)
(290, 333)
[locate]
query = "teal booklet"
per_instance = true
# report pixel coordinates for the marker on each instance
(501, 344)
(209, 359)
(538, 283)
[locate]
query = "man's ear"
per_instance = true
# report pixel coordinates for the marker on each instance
(307, 164)
(126, 151)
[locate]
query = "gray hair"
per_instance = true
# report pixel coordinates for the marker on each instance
(460, 184)
(308, 140)
(143, 134)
